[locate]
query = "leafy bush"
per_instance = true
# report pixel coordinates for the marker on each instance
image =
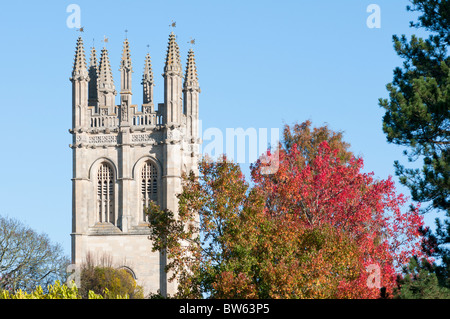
(56, 291)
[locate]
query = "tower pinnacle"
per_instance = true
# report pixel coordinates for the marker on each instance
(93, 75)
(191, 78)
(126, 56)
(105, 76)
(173, 62)
(147, 81)
(79, 65)
(106, 88)
(125, 69)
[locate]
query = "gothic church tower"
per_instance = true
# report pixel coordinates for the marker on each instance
(126, 155)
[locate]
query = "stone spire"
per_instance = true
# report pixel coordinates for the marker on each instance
(191, 92)
(173, 62)
(93, 75)
(173, 74)
(79, 64)
(105, 77)
(106, 88)
(125, 84)
(125, 69)
(191, 78)
(80, 79)
(147, 81)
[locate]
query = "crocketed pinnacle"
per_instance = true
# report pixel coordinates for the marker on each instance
(93, 60)
(126, 56)
(105, 77)
(173, 62)
(93, 74)
(79, 64)
(148, 73)
(191, 78)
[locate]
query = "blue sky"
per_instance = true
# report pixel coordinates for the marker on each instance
(261, 64)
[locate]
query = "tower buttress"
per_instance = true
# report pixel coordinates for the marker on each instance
(80, 79)
(105, 84)
(172, 113)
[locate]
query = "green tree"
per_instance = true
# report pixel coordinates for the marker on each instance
(105, 280)
(418, 115)
(419, 281)
(418, 108)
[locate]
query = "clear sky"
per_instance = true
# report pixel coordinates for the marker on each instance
(261, 64)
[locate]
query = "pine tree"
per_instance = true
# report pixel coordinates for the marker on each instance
(420, 282)
(418, 116)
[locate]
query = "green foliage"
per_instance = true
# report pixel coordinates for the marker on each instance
(108, 282)
(56, 291)
(418, 117)
(418, 109)
(420, 281)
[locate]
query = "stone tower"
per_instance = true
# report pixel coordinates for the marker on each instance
(127, 155)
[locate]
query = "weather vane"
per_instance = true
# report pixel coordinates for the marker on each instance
(126, 34)
(81, 29)
(191, 42)
(105, 39)
(173, 24)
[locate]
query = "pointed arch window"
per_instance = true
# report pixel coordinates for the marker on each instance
(149, 185)
(105, 194)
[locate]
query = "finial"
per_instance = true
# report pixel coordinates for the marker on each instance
(126, 34)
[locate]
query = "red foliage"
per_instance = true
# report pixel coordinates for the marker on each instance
(325, 190)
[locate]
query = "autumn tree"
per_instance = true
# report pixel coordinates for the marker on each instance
(236, 250)
(307, 140)
(329, 192)
(312, 229)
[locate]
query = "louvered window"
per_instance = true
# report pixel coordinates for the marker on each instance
(149, 184)
(105, 194)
